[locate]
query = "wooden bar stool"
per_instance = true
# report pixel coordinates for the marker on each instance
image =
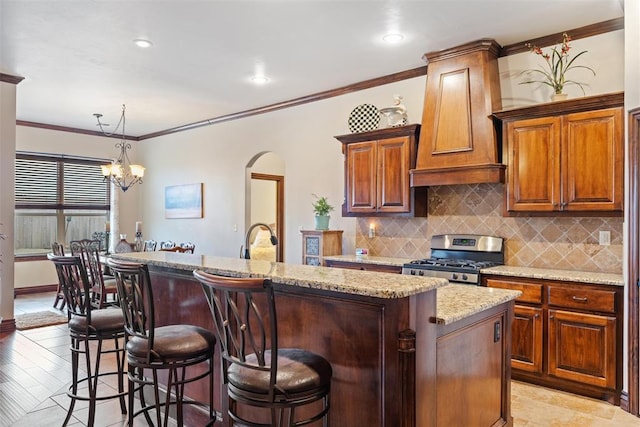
(88, 324)
(172, 347)
(257, 372)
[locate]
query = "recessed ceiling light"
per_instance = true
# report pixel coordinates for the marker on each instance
(260, 79)
(143, 43)
(393, 38)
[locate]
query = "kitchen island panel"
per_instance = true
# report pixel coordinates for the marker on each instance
(359, 335)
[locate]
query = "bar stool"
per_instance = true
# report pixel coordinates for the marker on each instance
(172, 347)
(58, 250)
(257, 372)
(88, 324)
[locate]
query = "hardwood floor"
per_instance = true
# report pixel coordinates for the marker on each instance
(35, 370)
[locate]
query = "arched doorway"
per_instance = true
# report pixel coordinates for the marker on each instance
(264, 196)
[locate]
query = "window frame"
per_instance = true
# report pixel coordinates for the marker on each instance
(59, 209)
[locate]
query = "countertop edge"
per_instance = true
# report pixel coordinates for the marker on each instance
(457, 302)
(561, 275)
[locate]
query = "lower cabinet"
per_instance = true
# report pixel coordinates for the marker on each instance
(526, 344)
(567, 335)
(582, 347)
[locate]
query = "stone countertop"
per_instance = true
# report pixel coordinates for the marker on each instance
(456, 302)
(380, 260)
(365, 283)
(562, 275)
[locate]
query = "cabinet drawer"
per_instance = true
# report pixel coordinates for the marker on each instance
(531, 292)
(583, 298)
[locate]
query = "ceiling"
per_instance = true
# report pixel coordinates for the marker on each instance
(78, 57)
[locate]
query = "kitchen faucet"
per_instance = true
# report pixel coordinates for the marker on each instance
(273, 238)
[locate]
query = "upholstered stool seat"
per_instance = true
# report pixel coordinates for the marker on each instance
(298, 371)
(173, 342)
(103, 321)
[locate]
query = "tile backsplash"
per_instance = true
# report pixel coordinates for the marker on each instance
(544, 242)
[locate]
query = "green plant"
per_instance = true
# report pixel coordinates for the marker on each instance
(321, 206)
(558, 64)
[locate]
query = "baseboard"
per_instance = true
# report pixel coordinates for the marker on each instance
(35, 289)
(624, 401)
(8, 325)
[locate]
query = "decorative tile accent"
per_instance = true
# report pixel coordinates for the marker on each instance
(543, 242)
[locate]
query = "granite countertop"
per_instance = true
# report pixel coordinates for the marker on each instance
(366, 283)
(369, 259)
(563, 275)
(455, 302)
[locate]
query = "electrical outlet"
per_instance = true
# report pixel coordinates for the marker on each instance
(235, 227)
(605, 238)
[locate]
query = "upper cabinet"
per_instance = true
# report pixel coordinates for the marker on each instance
(565, 157)
(377, 167)
(458, 142)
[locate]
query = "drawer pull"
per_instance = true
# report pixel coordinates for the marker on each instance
(580, 299)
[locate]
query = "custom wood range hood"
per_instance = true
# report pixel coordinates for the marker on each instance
(458, 142)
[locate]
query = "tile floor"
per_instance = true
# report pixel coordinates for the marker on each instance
(35, 371)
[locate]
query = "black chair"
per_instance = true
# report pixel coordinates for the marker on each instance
(101, 287)
(88, 324)
(149, 246)
(167, 245)
(172, 347)
(58, 250)
(188, 247)
(257, 372)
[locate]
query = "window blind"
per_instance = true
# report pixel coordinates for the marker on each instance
(48, 182)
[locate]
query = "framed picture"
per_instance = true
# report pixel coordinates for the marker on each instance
(183, 201)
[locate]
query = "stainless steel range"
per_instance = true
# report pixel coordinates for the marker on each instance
(459, 257)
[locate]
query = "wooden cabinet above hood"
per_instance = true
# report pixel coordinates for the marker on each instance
(458, 140)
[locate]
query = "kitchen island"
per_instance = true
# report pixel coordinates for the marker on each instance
(381, 332)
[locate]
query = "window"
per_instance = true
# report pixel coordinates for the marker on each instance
(58, 198)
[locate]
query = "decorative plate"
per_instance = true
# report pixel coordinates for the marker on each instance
(364, 118)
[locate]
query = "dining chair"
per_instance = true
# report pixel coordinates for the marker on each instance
(255, 369)
(88, 325)
(149, 246)
(188, 247)
(101, 287)
(172, 348)
(57, 249)
(168, 244)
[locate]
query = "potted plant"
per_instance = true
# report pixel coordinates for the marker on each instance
(558, 64)
(321, 208)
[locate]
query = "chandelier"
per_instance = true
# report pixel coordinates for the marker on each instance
(120, 172)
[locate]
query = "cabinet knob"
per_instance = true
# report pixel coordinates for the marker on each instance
(535, 316)
(579, 299)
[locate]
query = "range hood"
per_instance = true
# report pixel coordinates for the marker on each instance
(458, 142)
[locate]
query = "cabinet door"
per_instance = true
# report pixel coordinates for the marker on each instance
(582, 347)
(393, 191)
(526, 344)
(534, 168)
(361, 177)
(592, 161)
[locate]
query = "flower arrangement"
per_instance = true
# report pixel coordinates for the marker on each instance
(558, 64)
(321, 206)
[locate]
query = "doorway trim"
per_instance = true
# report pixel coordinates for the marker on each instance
(633, 257)
(279, 181)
